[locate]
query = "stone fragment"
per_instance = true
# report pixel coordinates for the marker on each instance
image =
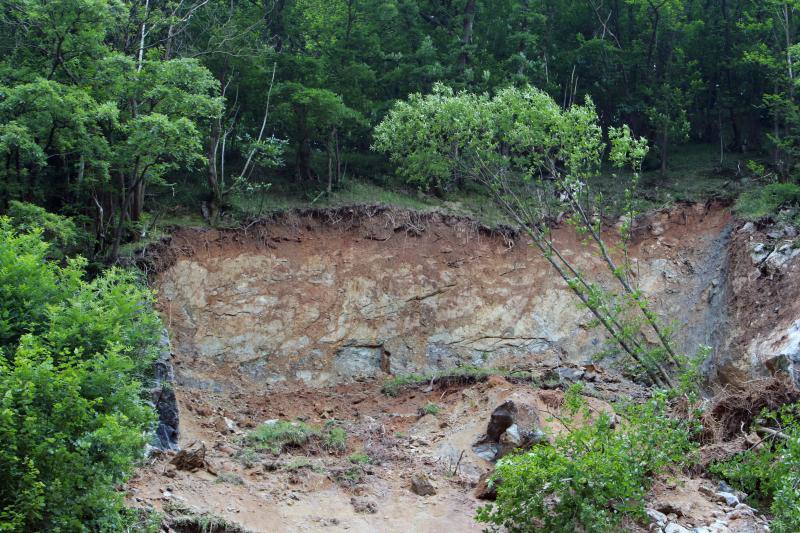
(511, 426)
(487, 488)
(727, 497)
(674, 527)
(657, 517)
(363, 505)
(748, 228)
(191, 458)
(421, 485)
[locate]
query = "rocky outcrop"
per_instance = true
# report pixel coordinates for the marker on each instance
(763, 302)
(164, 400)
(511, 426)
(324, 301)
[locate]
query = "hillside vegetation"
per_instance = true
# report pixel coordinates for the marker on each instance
(121, 119)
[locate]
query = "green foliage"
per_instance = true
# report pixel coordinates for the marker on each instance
(141, 520)
(183, 517)
(777, 200)
(335, 440)
(301, 463)
(72, 418)
(248, 457)
(62, 232)
(594, 475)
(458, 375)
(277, 436)
(770, 473)
(359, 458)
(431, 409)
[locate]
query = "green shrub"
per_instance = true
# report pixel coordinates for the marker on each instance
(770, 475)
(457, 375)
(359, 458)
(248, 457)
(335, 440)
(349, 477)
(301, 463)
(184, 518)
(62, 232)
(769, 201)
(431, 409)
(72, 417)
(279, 435)
(593, 476)
(229, 477)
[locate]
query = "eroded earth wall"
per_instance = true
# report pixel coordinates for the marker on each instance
(327, 298)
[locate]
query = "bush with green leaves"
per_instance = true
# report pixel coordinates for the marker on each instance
(594, 475)
(770, 473)
(778, 200)
(64, 235)
(73, 419)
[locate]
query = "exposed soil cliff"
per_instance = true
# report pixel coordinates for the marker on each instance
(303, 316)
(306, 299)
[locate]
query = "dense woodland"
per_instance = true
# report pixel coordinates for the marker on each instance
(107, 104)
(111, 107)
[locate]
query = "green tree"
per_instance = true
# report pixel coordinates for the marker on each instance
(72, 416)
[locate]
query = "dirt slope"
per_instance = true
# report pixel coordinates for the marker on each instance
(304, 316)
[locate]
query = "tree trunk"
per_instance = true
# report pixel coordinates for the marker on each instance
(212, 176)
(664, 148)
(330, 161)
(466, 34)
(137, 207)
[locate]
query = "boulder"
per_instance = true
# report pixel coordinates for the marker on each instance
(511, 426)
(421, 485)
(191, 458)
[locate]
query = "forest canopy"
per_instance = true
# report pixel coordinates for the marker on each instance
(109, 105)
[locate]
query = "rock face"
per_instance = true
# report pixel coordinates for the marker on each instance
(302, 299)
(763, 299)
(164, 400)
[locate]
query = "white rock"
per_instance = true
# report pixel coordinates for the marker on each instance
(674, 527)
(728, 498)
(657, 516)
(748, 228)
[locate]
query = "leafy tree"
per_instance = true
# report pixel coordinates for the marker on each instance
(316, 116)
(72, 417)
(537, 161)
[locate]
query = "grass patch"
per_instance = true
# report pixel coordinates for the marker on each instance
(776, 200)
(349, 477)
(359, 458)
(277, 436)
(230, 478)
(182, 518)
(248, 457)
(302, 463)
(141, 520)
(335, 440)
(462, 375)
(431, 409)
